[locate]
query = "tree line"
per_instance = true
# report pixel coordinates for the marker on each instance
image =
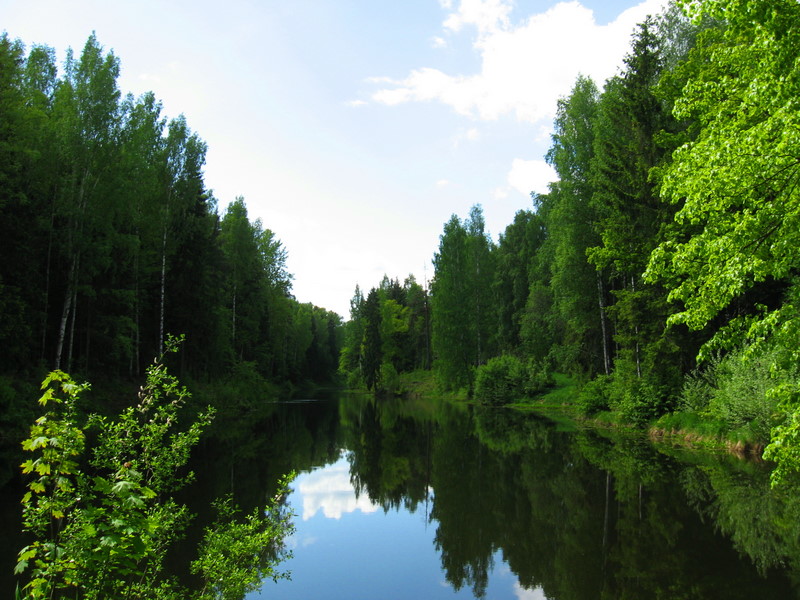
(111, 240)
(660, 270)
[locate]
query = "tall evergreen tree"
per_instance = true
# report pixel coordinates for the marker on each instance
(372, 351)
(630, 218)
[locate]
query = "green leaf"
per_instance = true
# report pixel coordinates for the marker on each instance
(102, 485)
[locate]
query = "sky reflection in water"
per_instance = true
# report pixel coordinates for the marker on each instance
(347, 547)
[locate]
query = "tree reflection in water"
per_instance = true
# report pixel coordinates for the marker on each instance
(573, 514)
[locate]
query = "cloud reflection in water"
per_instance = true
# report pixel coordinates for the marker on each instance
(330, 490)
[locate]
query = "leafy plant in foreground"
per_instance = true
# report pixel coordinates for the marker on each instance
(102, 524)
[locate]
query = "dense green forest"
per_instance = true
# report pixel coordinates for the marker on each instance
(660, 270)
(111, 241)
(113, 252)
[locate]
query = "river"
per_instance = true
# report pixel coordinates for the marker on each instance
(410, 499)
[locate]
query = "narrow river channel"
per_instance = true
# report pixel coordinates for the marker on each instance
(410, 499)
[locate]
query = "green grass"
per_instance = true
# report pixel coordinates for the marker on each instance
(423, 383)
(704, 430)
(561, 395)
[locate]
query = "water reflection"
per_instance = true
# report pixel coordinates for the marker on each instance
(425, 499)
(524, 510)
(330, 491)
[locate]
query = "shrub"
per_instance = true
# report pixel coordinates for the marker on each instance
(501, 380)
(538, 377)
(642, 401)
(698, 388)
(102, 516)
(594, 395)
(742, 396)
(390, 380)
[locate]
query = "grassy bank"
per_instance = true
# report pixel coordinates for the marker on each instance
(423, 383)
(685, 429)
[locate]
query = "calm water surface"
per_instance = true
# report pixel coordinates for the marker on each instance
(424, 499)
(410, 499)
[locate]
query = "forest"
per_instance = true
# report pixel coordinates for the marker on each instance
(114, 252)
(659, 274)
(111, 241)
(659, 271)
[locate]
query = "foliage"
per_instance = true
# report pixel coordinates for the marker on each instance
(735, 184)
(538, 377)
(594, 395)
(103, 521)
(464, 314)
(640, 400)
(390, 379)
(698, 388)
(112, 239)
(237, 555)
(388, 334)
(501, 380)
(742, 395)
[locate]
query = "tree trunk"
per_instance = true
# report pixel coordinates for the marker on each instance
(233, 320)
(71, 344)
(636, 333)
(65, 312)
(46, 309)
(603, 325)
(134, 366)
(163, 292)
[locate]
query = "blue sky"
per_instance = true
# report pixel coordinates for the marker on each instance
(355, 128)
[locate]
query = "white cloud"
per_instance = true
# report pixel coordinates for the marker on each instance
(500, 193)
(470, 135)
(488, 16)
(438, 42)
(525, 67)
(528, 176)
(356, 103)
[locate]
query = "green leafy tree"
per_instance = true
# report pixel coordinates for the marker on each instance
(86, 117)
(516, 251)
(350, 358)
(372, 343)
(630, 219)
(464, 314)
(735, 186)
(418, 350)
(452, 357)
(572, 227)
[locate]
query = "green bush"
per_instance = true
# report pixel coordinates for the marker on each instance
(741, 398)
(539, 377)
(501, 380)
(354, 380)
(390, 380)
(698, 388)
(642, 401)
(594, 395)
(101, 509)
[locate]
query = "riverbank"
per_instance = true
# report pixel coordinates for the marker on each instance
(561, 404)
